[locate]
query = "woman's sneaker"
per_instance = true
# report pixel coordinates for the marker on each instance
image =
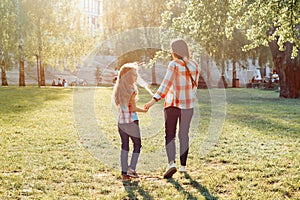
(171, 169)
(132, 173)
(182, 169)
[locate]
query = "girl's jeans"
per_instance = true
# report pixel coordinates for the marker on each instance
(172, 116)
(132, 131)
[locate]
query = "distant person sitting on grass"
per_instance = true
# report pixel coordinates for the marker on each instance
(63, 82)
(125, 96)
(66, 83)
(53, 82)
(59, 82)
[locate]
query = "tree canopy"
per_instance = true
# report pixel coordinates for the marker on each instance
(50, 31)
(266, 21)
(227, 29)
(232, 30)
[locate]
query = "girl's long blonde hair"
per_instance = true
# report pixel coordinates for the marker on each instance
(124, 85)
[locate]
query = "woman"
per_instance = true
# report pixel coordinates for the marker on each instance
(178, 89)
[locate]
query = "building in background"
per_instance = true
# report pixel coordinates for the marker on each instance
(93, 15)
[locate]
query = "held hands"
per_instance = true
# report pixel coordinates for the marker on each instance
(145, 109)
(149, 104)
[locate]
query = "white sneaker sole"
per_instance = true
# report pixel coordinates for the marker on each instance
(170, 172)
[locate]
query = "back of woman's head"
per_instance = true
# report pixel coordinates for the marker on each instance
(180, 48)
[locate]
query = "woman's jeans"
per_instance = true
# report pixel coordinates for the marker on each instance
(172, 116)
(132, 131)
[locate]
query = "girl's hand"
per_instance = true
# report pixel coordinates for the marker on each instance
(149, 104)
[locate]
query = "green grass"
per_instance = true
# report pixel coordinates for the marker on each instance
(62, 143)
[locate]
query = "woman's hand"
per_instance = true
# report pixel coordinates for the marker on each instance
(149, 104)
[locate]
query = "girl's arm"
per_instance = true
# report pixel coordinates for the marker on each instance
(133, 106)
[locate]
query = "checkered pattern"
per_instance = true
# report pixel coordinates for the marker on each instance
(176, 86)
(126, 115)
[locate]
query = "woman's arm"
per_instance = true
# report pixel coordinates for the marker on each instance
(133, 105)
(167, 82)
(164, 87)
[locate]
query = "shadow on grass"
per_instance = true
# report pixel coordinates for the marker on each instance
(203, 190)
(21, 99)
(265, 112)
(279, 125)
(133, 187)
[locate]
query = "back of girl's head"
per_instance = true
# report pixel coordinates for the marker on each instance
(124, 85)
(127, 70)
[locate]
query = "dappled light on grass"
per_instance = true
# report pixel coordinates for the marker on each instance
(42, 155)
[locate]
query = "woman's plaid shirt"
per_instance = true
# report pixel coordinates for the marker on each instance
(176, 86)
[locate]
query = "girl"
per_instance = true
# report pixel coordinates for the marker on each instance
(178, 89)
(125, 97)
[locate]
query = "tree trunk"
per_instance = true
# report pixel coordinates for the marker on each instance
(153, 75)
(288, 70)
(234, 85)
(41, 67)
(40, 42)
(3, 73)
(22, 73)
(208, 66)
(38, 70)
(207, 72)
(42, 73)
(222, 82)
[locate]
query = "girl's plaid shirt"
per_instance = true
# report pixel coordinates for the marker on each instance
(125, 114)
(176, 86)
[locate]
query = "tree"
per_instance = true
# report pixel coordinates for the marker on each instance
(21, 55)
(205, 22)
(58, 38)
(3, 68)
(7, 37)
(275, 24)
(121, 16)
(50, 31)
(46, 32)
(98, 75)
(142, 16)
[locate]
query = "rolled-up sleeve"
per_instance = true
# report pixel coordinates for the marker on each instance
(167, 83)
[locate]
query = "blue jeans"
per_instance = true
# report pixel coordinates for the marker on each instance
(172, 116)
(132, 131)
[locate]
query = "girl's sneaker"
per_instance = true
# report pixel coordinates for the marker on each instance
(132, 173)
(125, 177)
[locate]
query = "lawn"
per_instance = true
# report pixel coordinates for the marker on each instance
(62, 143)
